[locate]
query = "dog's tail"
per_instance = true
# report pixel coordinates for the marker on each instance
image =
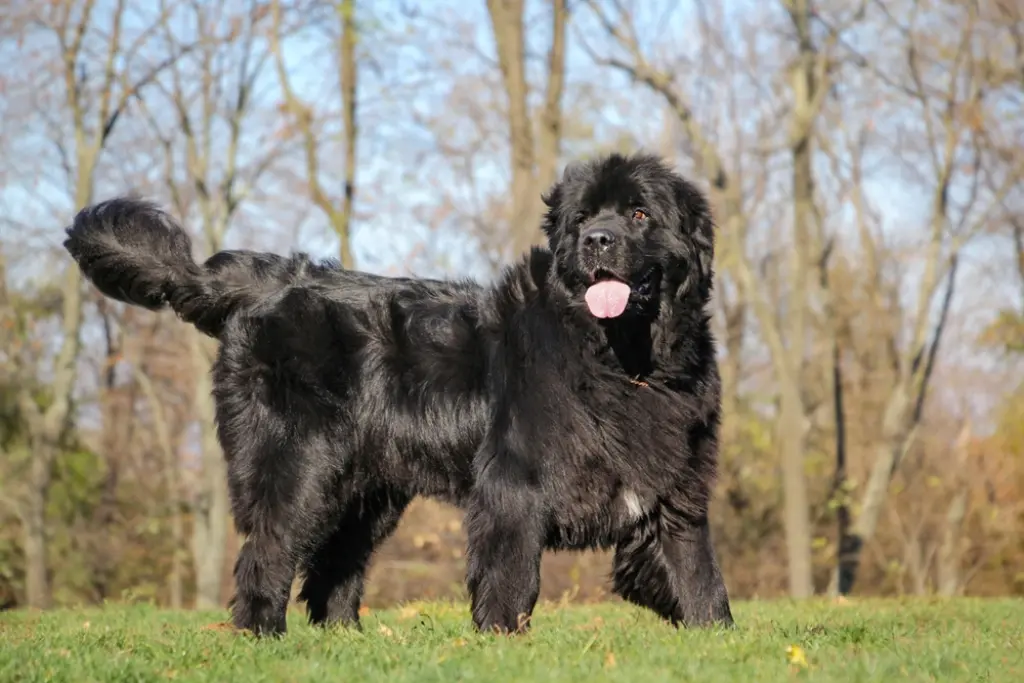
(136, 253)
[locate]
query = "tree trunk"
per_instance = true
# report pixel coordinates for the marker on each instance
(732, 367)
(549, 133)
(210, 511)
(845, 553)
(917, 565)
(507, 22)
(175, 578)
(949, 575)
(902, 416)
(340, 219)
(806, 106)
(531, 166)
(796, 517)
(33, 520)
(949, 551)
(349, 71)
(47, 427)
(894, 440)
(105, 517)
(104, 549)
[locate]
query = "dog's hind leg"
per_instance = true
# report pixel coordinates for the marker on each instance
(263, 574)
(668, 564)
(280, 383)
(279, 501)
(334, 573)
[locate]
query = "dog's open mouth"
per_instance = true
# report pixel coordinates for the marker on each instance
(609, 294)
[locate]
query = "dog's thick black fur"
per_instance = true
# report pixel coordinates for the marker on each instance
(340, 396)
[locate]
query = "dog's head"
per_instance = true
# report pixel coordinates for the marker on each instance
(630, 236)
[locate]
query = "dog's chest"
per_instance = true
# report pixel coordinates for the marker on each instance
(635, 426)
(611, 464)
(590, 512)
(629, 507)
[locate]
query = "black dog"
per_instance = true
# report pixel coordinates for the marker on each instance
(574, 404)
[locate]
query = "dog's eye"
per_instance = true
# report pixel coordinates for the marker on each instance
(639, 215)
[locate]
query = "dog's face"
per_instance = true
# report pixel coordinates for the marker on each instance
(629, 235)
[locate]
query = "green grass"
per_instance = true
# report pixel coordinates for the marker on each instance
(958, 640)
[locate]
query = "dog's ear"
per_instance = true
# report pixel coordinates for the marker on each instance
(697, 225)
(574, 170)
(553, 197)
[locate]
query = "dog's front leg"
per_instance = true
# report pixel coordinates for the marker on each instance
(668, 565)
(504, 525)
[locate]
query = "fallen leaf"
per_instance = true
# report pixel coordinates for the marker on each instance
(408, 612)
(796, 656)
(385, 631)
(219, 626)
(364, 610)
(460, 642)
(609, 660)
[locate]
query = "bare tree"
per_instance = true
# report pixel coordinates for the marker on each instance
(533, 157)
(307, 123)
(175, 579)
(115, 405)
(95, 105)
(944, 83)
(810, 86)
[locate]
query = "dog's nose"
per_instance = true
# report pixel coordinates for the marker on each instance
(598, 238)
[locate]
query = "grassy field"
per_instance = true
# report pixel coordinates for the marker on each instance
(961, 640)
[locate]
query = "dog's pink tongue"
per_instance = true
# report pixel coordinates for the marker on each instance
(608, 298)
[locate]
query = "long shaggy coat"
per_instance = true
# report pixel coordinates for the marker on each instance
(572, 404)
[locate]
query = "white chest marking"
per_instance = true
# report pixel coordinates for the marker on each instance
(634, 508)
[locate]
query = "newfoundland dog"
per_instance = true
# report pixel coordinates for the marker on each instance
(572, 404)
